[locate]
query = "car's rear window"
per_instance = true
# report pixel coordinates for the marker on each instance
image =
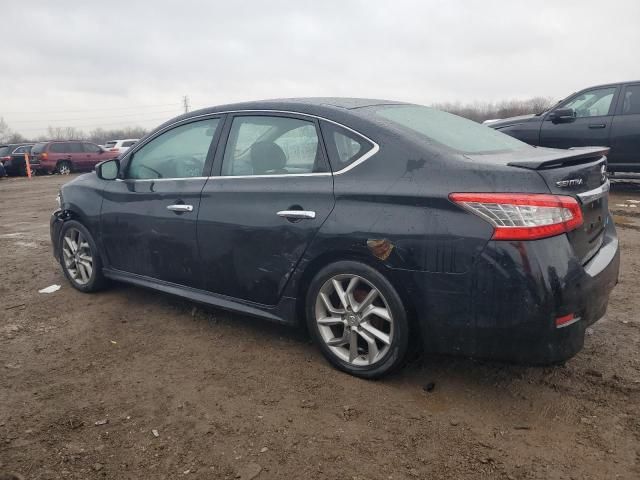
(450, 130)
(110, 144)
(38, 148)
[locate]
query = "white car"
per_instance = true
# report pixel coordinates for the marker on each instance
(120, 146)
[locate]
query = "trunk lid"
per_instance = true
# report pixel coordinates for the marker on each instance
(577, 172)
(581, 173)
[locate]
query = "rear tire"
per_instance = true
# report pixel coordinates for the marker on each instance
(79, 258)
(63, 167)
(357, 319)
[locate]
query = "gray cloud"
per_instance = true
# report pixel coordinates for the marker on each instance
(86, 64)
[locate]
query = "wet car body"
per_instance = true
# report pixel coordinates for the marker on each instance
(466, 292)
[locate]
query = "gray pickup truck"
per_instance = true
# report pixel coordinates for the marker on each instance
(606, 115)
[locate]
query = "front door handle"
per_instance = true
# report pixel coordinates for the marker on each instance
(297, 214)
(597, 125)
(180, 207)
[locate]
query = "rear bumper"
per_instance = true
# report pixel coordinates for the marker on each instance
(506, 308)
(55, 226)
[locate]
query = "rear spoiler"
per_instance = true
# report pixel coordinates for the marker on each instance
(562, 158)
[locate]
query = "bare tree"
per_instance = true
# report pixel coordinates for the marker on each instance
(481, 111)
(5, 132)
(65, 133)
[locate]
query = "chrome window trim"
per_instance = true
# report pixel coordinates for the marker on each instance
(596, 193)
(375, 149)
(168, 179)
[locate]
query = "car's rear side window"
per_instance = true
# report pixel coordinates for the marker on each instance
(265, 145)
(110, 144)
(58, 148)
(449, 130)
(91, 148)
(38, 148)
(344, 146)
(128, 144)
(75, 147)
(631, 100)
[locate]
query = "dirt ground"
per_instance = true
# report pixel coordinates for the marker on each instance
(131, 384)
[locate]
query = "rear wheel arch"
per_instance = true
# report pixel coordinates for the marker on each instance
(335, 256)
(61, 163)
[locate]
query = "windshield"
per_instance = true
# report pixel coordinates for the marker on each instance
(450, 130)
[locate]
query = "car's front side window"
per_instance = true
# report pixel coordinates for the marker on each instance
(594, 103)
(263, 145)
(91, 148)
(178, 153)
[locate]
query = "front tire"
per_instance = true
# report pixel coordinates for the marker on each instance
(357, 319)
(79, 258)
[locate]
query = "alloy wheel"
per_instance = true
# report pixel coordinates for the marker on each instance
(64, 169)
(354, 319)
(78, 260)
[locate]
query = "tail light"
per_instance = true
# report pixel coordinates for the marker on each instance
(523, 216)
(4, 159)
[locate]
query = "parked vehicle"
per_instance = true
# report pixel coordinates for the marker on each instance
(15, 164)
(65, 157)
(380, 223)
(120, 146)
(6, 159)
(606, 115)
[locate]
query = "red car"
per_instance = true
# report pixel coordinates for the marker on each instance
(65, 157)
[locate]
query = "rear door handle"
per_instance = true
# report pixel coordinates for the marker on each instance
(598, 125)
(297, 214)
(180, 207)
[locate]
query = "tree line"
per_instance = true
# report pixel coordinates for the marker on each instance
(97, 135)
(477, 111)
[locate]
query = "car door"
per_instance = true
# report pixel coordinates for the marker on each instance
(271, 192)
(148, 216)
(592, 125)
(625, 131)
(78, 157)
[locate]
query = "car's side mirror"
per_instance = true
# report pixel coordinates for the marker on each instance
(563, 115)
(108, 170)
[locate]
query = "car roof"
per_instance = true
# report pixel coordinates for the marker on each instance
(311, 105)
(604, 85)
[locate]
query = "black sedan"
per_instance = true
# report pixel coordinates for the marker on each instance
(383, 225)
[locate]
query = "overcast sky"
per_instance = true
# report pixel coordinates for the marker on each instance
(115, 63)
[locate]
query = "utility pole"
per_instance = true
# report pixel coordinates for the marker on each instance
(185, 103)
